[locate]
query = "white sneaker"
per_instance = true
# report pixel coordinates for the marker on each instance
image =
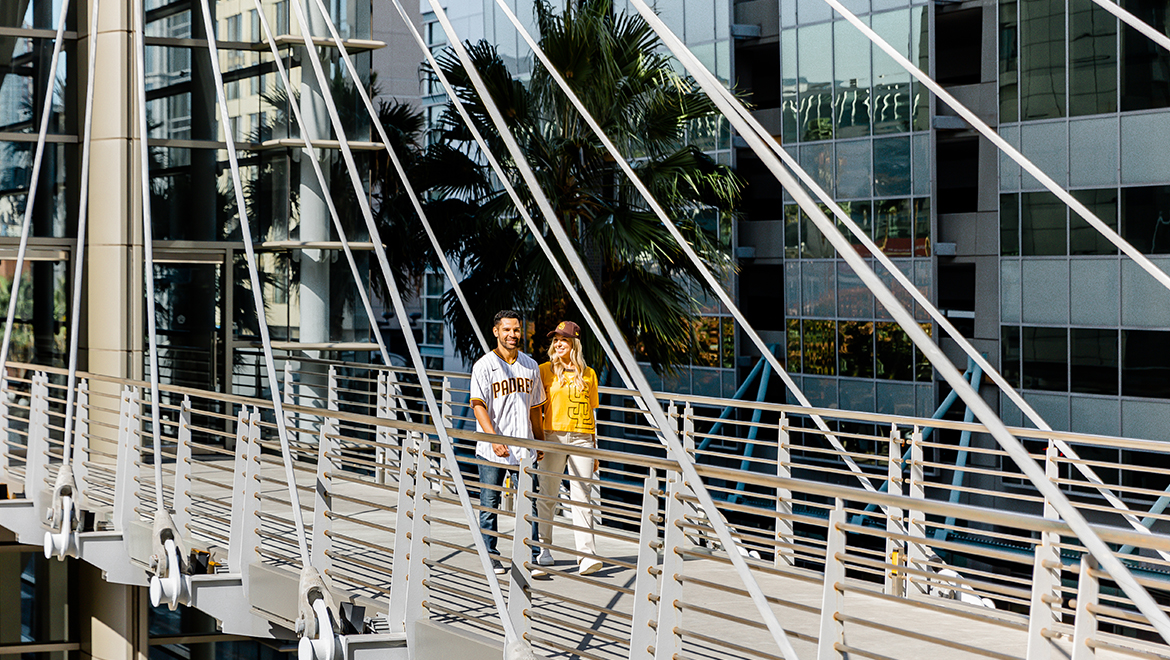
(538, 572)
(545, 558)
(589, 567)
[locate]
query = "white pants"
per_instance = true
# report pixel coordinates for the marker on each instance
(579, 467)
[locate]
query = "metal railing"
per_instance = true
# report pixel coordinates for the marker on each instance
(850, 572)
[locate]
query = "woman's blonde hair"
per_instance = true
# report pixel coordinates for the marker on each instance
(576, 358)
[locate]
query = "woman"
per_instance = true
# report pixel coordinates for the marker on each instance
(570, 399)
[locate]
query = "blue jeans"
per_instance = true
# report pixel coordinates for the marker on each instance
(489, 498)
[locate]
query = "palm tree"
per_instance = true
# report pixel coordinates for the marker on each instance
(613, 62)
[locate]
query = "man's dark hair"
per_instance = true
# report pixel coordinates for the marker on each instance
(505, 314)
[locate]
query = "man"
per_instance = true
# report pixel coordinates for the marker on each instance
(506, 398)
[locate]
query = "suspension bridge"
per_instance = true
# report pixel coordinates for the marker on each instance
(338, 518)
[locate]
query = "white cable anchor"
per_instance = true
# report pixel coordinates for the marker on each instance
(316, 625)
(64, 518)
(170, 582)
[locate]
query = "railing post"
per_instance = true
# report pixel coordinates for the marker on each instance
(239, 479)
(416, 588)
(381, 432)
(4, 439)
(895, 583)
(1045, 575)
(688, 430)
(667, 642)
(519, 596)
(36, 462)
(332, 395)
(126, 475)
(645, 610)
(182, 499)
(832, 630)
(1088, 593)
(81, 440)
(323, 499)
(785, 537)
(250, 534)
(916, 526)
(403, 524)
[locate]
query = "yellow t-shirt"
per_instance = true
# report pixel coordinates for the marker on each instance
(568, 407)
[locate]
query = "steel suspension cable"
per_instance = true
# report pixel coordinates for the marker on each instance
(674, 446)
(257, 292)
(414, 199)
(938, 317)
(411, 344)
(30, 199)
(694, 258)
(79, 253)
(148, 254)
(311, 156)
(1053, 495)
(1135, 23)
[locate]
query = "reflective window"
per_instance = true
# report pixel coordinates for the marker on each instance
(922, 227)
(923, 371)
(891, 167)
(1092, 59)
(1145, 218)
(816, 73)
(814, 244)
(789, 86)
(1010, 354)
(851, 76)
(893, 232)
(820, 347)
(1144, 80)
(794, 352)
(862, 215)
(1042, 59)
(54, 212)
(1042, 224)
(1083, 238)
(893, 351)
(856, 348)
(1145, 363)
(1044, 357)
(1093, 361)
(891, 83)
(38, 330)
(920, 55)
(853, 172)
(792, 216)
(1009, 225)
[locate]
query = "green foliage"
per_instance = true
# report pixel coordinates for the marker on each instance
(613, 62)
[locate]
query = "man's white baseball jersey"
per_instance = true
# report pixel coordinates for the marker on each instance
(509, 391)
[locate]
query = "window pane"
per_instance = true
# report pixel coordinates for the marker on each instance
(1145, 356)
(1042, 59)
(727, 341)
(816, 71)
(862, 215)
(794, 353)
(789, 86)
(891, 167)
(1085, 239)
(851, 63)
(853, 177)
(856, 352)
(791, 231)
(1044, 353)
(893, 231)
(1009, 225)
(1010, 354)
(923, 370)
(434, 284)
(820, 347)
(707, 341)
(895, 353)
(920, 56)
(1008, 62)
(1145, 218)
(434, 309)
(1042, 224)
(814, 244)
(1092, 59)
(891, 83)
(434, 333)
(922, 227)
(1093, 360)
(1144, 83)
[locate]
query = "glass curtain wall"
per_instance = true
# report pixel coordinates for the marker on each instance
(858, 125)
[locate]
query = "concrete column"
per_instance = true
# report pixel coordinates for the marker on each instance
(111, 341)
(112, 617)
(314, 220)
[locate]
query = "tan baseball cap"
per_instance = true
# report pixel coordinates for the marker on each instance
(566, 329)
